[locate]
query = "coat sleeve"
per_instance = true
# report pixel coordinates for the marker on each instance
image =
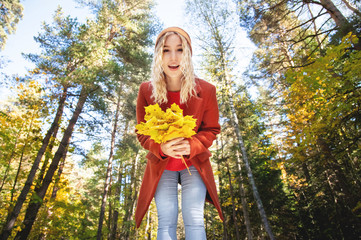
(208, 129)
(144, 140)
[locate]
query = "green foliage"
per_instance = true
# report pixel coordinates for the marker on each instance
(312, 110)
(11, 11)
(20, 135)
(323, 134)
(108, 57)
(324, 96)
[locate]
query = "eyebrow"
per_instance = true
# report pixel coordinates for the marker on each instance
(179, 45)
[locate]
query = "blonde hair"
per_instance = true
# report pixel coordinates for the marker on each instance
(158, 80)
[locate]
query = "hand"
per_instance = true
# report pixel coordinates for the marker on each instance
(176, 147)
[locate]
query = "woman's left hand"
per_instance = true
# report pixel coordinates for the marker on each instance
(176, 148)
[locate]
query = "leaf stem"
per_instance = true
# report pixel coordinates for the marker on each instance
(186, 165)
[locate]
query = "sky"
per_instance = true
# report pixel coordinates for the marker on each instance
(37, 11)
(169, 12)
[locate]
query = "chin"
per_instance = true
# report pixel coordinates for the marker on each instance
(174, 75)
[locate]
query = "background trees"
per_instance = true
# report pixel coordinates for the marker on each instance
(84, 63)
(71, 166)
(301, 36)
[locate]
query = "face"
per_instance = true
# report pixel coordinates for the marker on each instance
(172, 57)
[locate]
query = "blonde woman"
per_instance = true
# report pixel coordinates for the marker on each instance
(173, 81)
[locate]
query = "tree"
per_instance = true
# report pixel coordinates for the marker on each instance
(216, 20)
(128, 49)
(76, 59)
(48, 67)
(312, 155)
(21, 125)
(284, 31)
(28, 99)
(321, 111)
(65, 51)
(11, 12)
(109, 170)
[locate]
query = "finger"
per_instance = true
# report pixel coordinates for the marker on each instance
(175, 141)
(183, 143)
(166, 149)
(182, 147)
(182, 151)
(179, 148)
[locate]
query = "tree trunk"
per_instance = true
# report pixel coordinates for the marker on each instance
(334, 12)
(130, 199)
(34, 206)
(41, 176)
(124, 206)
(244, 200)
(109, 171)
(333, 195)
(118, 190)
(235, 122)
(352, 8)
(225, 234)
(110, 208)
(135, 185)
(220, 180)
(60, 171)
(47, 157)
(12, 216)
(234, 213)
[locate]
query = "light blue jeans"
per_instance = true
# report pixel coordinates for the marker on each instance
(193, 198)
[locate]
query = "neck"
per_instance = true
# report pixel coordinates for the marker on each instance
(173, 84)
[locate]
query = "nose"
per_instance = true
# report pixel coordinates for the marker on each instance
(173, 55)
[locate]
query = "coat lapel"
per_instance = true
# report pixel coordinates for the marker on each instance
(194, 105)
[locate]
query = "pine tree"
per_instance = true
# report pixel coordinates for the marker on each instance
(11, 12)
(217, 21)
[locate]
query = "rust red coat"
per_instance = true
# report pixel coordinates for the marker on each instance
(204, 108)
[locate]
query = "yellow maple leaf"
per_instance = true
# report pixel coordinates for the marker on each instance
(164, 126)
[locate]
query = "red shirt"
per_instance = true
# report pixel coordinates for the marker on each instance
(175, 164)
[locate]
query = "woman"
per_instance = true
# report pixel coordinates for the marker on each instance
(174, 81)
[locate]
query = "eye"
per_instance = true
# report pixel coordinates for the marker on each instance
(180, 50)
(165, 50)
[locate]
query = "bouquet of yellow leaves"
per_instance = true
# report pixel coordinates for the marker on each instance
(164, 126)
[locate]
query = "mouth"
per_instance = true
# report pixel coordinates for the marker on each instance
(174, 67)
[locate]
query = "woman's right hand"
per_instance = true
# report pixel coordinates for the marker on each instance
(176, 148)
